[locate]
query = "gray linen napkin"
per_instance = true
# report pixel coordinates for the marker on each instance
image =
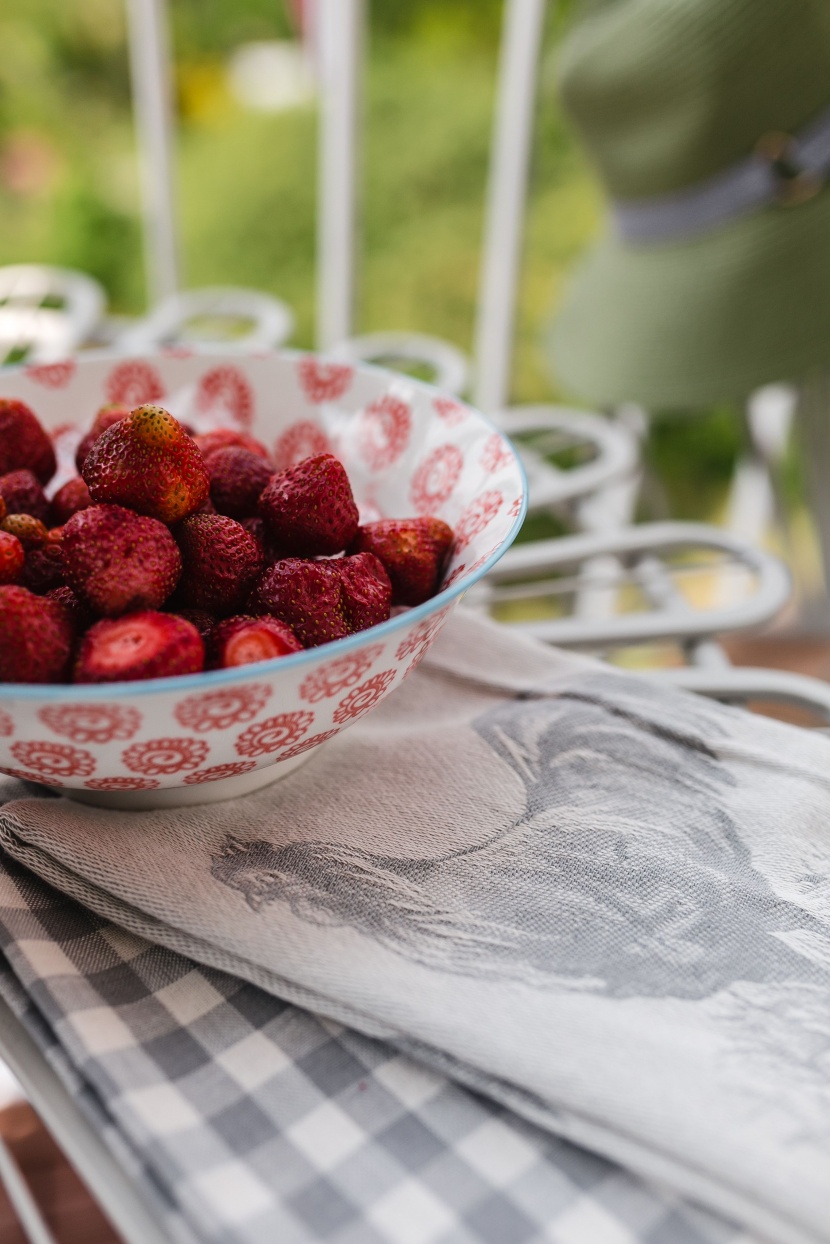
(245, 1120)
(600, 901)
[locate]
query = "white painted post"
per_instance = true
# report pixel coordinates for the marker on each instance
(340, 26)
(150, 68)
(513, 127)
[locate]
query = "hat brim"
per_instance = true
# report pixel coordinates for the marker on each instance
(710, 319)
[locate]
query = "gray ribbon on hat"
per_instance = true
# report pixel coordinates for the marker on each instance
(783, 169)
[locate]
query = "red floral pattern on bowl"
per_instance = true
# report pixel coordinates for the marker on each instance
(225, 390)
(91, 723)
(268, 736)
(324, 382)
(338, 675)
(165, 755)
(53, 760)
(134, 383)
(364, 697)
(217, 710)
(301, 440)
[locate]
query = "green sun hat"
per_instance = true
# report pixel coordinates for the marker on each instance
(709, 124)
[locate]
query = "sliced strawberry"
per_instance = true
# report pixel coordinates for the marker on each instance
(309, 510)
(23, 442)
(137, 646)
(147, 462)
(117, 561)
(37, 637)
(243, 640)
(221, 563)
(413, 550)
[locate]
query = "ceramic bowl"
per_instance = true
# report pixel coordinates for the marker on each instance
(408, 449)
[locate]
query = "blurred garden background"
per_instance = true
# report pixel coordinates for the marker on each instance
(69, 191)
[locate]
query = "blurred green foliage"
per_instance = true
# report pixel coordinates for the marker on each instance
(69, 187)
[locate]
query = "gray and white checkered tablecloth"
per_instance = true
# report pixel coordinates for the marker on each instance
(244, 1119)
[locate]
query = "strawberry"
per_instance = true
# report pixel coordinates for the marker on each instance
(23, 442)
(139, 645)
(37, 637)
(68, 500)
(222, 438)
(243, 640)
(29, 531)
(117, 561)
(323, 601)
(237, 480)
(105, 418)
(44, 568)
(148, 462)
(3, 509)
(367, 592)
(22, 494)
(221, 562)
(309, 510)
(12, 558)
(413, 550)
(307, 596)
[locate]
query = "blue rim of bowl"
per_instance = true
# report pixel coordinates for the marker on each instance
(207, 679)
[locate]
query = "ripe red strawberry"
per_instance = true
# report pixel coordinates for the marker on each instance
(23, 442)
(148, 462)
(367, 592)
(203, 621)
(68, 500)
(3, 510)
(221, 563)
(309, 509)
(44, 568)
(222, 438)
(37, 637)
(139, 645)
(243, 640)
(105, 418)
(307, 596)
(117, 561)
(29, 531)
(22, 494)
(413, 550)
(11, 558)
(237, 480)
(323, 601)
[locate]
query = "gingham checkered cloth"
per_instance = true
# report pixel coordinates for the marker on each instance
(245, 1120)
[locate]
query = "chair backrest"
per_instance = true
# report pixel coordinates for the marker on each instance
(337, 28)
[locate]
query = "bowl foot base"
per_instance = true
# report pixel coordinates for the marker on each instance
(185, 796)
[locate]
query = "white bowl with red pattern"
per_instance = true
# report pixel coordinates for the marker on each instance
(408, 449)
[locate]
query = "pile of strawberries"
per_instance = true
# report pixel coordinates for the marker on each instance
(170, 553)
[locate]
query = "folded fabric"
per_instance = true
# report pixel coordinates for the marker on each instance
(244, 1120)
(600, 901)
